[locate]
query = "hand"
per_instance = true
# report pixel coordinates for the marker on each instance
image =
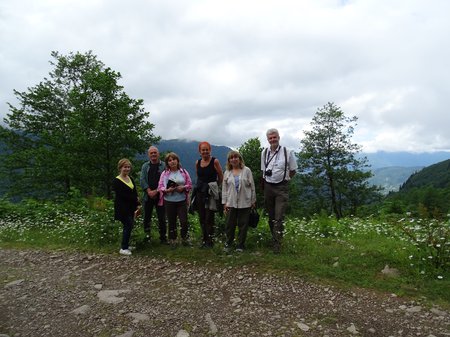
(226, 209)
(152, 194)
(137, 212)
(180, 189)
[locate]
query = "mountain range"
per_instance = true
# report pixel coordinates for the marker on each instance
(390, 169)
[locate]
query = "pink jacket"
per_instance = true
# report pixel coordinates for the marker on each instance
(163, 183)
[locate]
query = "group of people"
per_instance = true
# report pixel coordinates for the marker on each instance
(167, 188)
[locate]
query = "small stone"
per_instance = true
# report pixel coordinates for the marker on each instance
(352, 329)
(390, 272)
(212, 326)
(14, 283)
(414, 309)
(235, 300)
(182, 333)
(81, 310)
(111, 296)
(138, 317)
(438, 312)
(303, 326)
(127, 334)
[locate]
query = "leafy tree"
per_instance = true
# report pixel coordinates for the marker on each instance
(70, 130)
(251, 152)
(329, 163)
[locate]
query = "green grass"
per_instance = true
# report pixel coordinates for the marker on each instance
(347, 253)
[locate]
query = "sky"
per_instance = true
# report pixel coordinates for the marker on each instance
(226, 71)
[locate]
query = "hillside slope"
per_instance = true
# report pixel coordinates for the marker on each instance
(436, 175)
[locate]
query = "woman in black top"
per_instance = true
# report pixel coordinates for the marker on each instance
(208, 170)
(126, 202)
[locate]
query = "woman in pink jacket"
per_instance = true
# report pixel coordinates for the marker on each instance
(174, 186)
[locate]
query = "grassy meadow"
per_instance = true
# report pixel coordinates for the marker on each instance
(346, 253)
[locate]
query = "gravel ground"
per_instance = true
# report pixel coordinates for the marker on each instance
(62, 293)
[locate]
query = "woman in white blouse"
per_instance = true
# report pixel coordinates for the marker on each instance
(238, 197)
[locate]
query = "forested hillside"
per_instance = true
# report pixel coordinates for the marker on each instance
(426, 192)
(437, 176)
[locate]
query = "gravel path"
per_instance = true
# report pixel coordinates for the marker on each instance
(77, 294)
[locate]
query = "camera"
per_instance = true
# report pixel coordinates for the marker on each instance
(268, 173)
(171, 183)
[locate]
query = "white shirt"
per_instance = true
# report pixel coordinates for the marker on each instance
(275, 161)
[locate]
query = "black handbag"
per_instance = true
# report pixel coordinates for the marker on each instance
(253, 218)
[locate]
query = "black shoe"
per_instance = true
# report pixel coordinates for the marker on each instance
(239, 249)
(186, 243)
(206, 245)
(277, 248)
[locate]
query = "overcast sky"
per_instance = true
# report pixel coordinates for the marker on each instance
(225, 71)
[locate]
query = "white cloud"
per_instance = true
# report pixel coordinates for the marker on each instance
(226, 71)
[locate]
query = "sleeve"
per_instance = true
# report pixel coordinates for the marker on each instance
(292, 161)
(143, 181)
(162, 182)
(263, 161)
(188, 181)
(225, 188)
(113, 185)
(135, 193)
(252, 185)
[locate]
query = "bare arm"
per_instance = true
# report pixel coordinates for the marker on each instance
(219, 171)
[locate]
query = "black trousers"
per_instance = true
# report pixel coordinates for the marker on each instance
(149, 205)
(176, 210)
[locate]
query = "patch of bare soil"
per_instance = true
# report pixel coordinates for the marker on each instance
(77, 294)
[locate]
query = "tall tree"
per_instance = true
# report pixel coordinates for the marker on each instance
(329, 162)
(70, 130)
(251, 152)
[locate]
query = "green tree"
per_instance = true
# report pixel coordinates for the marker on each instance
(251, 152)
(70, 130)
(329, 163)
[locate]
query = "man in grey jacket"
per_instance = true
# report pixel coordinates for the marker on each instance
(150, 173)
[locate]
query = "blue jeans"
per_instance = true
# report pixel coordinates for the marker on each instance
(128, 223)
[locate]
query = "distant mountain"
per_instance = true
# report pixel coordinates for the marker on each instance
(391, 169)
(405, 159)
(187, 150)
(391, 178)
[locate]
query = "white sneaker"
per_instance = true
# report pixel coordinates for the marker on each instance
(125, 252)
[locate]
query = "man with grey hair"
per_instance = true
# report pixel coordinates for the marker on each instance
(278, 166)
(150, 173)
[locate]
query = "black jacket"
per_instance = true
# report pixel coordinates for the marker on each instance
(126, 199)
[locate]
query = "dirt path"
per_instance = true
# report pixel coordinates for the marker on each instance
(76, 294)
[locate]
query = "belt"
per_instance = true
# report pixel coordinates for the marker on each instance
(276, 184)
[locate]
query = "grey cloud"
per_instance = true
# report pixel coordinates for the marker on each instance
(227, 71)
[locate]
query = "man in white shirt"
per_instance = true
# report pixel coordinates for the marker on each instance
(278, 166)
